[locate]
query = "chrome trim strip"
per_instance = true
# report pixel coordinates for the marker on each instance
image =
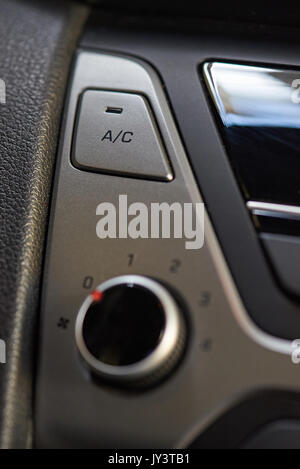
(274, 210)
(264, 339)
(214, 91)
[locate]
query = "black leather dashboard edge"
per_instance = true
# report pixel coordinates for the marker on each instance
(36, 47)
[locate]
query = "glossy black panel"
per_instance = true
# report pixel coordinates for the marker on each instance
(277, 225)
(260, 111)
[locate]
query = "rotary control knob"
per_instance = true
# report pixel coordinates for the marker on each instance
(131, 331)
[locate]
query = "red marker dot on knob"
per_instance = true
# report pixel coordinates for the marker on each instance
(97, 296)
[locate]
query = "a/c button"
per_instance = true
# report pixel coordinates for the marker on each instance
(117, 133)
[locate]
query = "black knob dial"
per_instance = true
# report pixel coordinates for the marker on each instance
(130, 330)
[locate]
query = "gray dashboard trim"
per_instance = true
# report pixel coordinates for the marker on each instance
(183, 56)
(244, 358)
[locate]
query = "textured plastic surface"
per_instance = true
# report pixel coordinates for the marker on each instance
(37, 40)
